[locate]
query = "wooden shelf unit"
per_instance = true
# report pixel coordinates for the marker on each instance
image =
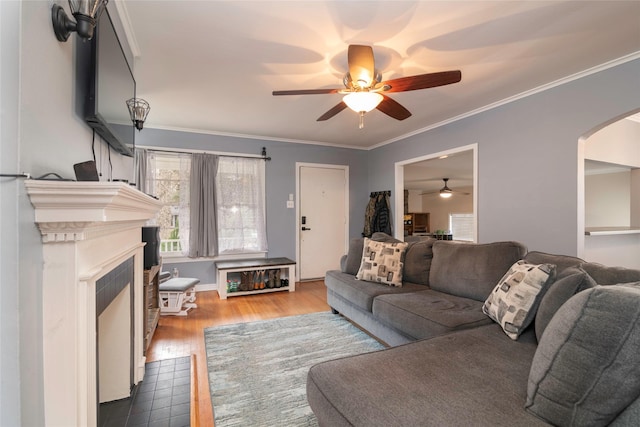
(416, 222)
(286, 266)
(150, 283)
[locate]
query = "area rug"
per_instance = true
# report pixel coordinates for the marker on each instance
(258, 370)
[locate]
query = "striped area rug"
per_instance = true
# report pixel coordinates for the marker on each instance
(258, 370)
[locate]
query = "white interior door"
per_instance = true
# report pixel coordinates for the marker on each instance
(323, 218)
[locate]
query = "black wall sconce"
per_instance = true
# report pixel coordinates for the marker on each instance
(86, 13)
(138, 110)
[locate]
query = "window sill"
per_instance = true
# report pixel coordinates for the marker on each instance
(609, 231)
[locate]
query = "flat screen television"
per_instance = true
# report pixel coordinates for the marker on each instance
(105, 83)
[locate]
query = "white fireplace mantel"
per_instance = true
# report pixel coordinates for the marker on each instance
(67, 210)
(88, 229)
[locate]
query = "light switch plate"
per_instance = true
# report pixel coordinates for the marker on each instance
(290, 204)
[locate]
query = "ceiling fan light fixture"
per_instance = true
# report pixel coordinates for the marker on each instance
(362, 102)
(446, 192)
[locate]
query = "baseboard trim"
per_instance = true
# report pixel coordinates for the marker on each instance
(206, 287)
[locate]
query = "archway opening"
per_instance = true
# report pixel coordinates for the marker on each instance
(609, 193)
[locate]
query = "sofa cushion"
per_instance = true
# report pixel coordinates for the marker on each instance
(428, 313)
(417, 261)
(561, 262)
(471, 270)
(514, 300)
(630, 415)
(361, 293)
(585, 370)
(605, 275)
(382, 262)
(475, 377)
(571, 281)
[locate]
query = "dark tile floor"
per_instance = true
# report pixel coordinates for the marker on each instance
(162, 399)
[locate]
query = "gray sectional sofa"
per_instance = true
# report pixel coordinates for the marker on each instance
(572, 358)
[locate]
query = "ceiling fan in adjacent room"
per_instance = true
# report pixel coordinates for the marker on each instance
(365, 90)
(445, 192)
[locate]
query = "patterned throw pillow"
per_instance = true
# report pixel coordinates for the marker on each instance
(515, 299)
(382, 262)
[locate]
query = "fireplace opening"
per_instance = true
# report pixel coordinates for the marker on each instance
(114, 336)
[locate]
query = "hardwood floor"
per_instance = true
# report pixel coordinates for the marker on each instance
(184, 336)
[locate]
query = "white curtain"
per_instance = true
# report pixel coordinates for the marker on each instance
(168, 175)
(184, 209)
(240, 198)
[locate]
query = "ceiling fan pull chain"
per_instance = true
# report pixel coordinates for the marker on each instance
(361, 125)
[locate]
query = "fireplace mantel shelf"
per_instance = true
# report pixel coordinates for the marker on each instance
(69, 210)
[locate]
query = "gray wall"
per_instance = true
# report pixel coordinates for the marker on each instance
(527, 156)
(280, 182)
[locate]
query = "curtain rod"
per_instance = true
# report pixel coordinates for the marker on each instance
(161, 150)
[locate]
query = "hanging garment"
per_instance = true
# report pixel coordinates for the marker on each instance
(377, 217)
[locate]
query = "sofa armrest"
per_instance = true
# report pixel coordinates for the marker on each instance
(343, 263)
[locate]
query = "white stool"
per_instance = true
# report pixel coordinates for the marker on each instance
(177, 296)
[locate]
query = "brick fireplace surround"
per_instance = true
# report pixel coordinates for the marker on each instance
(88, 230)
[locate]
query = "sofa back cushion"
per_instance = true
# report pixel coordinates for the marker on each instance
(417, 261)
(561, 262)
(585, 369)
(605, 275)
(471, 270)
(571, 281)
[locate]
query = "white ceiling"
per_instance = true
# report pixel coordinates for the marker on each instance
(210, 66)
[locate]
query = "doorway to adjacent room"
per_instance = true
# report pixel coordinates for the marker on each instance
(419, 181)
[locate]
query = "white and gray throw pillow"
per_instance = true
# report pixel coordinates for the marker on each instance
(514, 300)
(382, 262)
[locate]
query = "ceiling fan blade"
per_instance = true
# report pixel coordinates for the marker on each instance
(424, 81)
(393, 109)
(304, 92)
(361, 65)
(332, 112)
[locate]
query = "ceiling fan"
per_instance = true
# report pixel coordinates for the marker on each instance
(365, 90)
(445, 192)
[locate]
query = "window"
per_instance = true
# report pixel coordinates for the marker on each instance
(239, 187)
(461, 226)
(169, 182)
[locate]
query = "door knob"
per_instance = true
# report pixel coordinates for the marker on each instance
(305, 229)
